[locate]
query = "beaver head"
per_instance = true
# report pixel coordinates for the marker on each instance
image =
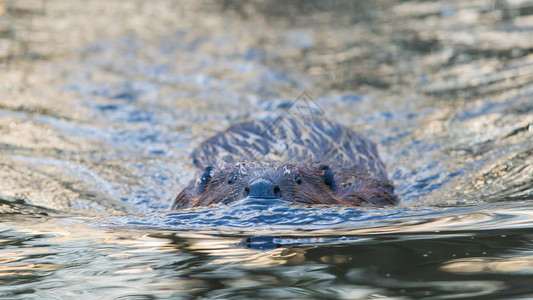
(304, 183)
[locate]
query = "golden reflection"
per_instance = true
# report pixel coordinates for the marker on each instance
(206, 243)
(336, 259)
(16, 274)
(522, 264)
(225, 251)
(8, 270)
(11, 255)
(249, 258)
(3, 7)
(125, 244)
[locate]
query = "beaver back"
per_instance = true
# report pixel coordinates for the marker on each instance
(286, 139)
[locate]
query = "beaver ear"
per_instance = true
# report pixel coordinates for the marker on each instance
(328, 177)
(206, 178)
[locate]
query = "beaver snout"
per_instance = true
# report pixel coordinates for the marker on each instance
(262, 188)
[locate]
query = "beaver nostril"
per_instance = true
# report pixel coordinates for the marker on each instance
(277, 192)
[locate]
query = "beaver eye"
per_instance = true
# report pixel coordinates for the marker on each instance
(232, 178)
(298, 179)
(329, 178)
(207, 176)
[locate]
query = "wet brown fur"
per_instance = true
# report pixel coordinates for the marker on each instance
(359, 176)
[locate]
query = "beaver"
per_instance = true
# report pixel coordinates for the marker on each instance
(308, 160)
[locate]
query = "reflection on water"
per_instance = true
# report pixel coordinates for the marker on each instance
(401, 259)
(101, 104)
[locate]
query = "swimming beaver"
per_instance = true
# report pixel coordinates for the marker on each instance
(308, 160)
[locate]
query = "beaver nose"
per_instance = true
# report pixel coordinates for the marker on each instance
(262, 188)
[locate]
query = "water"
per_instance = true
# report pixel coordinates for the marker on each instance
(101, 105)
